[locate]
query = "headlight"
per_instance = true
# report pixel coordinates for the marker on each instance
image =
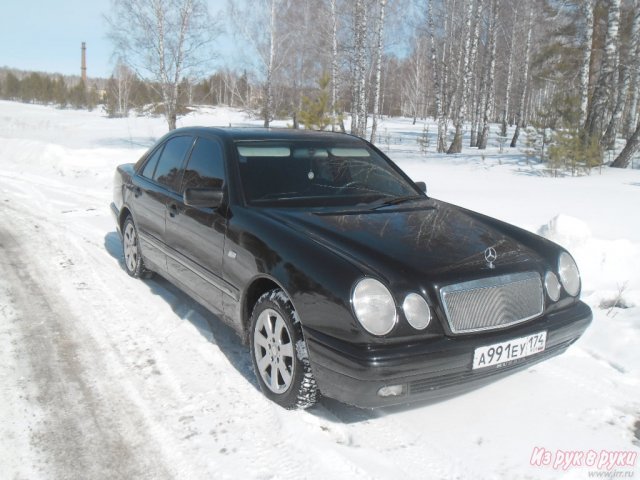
(374, 306)
(569, 274)
(417, 311)
(552, 286)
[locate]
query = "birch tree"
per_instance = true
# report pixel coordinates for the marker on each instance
(634, 66)
(525, 80)
(378, 68)
(477, 83)
(630, 149)
(120, 85)
(600, 98)
(609, 139)
(334, 63)
(587, 11)
(437, 87)
(163, 41)
(359, 77)
(490, 83)
(463, 91)
(633, 143)
(507, 98)
(413, 85)
(257, 24)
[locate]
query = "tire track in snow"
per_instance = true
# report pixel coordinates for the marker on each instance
(83, 433)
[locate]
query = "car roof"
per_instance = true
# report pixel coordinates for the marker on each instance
(253, 133)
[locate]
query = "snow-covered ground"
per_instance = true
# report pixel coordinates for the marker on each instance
(104, 376)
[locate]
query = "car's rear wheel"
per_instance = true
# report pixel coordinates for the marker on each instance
(133, 262)
(279, 352)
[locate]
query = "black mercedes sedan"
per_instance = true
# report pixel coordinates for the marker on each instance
(338, 270)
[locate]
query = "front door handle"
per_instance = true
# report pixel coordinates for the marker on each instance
(173, 210)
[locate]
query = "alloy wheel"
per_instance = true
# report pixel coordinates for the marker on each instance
(273, 350)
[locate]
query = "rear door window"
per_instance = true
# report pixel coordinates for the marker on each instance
(169, 167)
(150, 166)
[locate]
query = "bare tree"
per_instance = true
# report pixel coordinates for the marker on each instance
(477, 84)
(437, 87)
(490, 83)
(378, 67)
(520, 117)
(257, 24)
(359, 80)
(334, 63)
(414, 80)
(163, 41)
(629, 150)
(509, 87)
(633, 60)
(601, 94)
(120, 88)
(587, 11)
(465, 77)
(609, 139)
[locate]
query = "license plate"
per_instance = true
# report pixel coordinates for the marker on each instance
(508, 351)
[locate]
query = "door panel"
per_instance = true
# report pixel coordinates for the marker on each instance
(151, 194)
(196, 235)
(149, 209)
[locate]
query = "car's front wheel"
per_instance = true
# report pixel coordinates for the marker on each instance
(279, 352)
(133, 263)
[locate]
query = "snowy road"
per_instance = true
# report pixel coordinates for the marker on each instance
(83, 428)
(104, 376)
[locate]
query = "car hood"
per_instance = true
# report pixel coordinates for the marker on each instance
(429, 238)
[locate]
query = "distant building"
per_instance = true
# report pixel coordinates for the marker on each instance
(83, 63)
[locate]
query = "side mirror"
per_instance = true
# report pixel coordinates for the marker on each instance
(422, 186)
(202, 197)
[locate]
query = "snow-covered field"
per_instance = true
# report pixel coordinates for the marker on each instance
(104, 376)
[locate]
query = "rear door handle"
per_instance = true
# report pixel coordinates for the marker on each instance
(137, 191)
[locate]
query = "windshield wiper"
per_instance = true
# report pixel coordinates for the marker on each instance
(399, 200)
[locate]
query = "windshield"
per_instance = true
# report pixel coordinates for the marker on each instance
(317, 174)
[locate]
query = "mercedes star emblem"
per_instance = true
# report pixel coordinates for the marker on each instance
(490, 255)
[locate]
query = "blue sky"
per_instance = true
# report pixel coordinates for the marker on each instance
(45, 35)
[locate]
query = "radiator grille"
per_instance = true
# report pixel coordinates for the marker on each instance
(492, 303)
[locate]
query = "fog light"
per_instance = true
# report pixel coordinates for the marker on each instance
(391, 391)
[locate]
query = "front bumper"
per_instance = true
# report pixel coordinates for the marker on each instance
(433, 368)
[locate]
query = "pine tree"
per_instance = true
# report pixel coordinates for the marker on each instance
(316, 113)
(568, 151)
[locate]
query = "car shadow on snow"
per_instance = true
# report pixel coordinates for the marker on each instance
(217, 332)
(208, 325)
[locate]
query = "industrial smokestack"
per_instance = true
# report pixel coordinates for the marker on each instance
(83, 65)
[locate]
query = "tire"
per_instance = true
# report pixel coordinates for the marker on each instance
(279, 353)
(133, 262)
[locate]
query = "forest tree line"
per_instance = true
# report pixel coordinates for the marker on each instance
(48, 89)
(569, 67)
